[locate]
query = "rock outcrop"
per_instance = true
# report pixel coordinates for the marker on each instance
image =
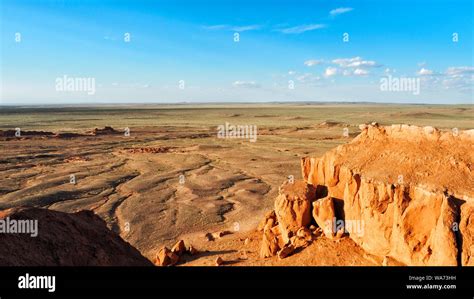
(467, 234)
(408, 187)
(105, 131)
(293, 207)
(167, 257)
(270, 244)
(62, 239)
(286, 227)
(324, 215)
(403, 193)
(14, 133)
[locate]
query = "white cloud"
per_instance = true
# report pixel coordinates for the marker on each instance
(304, 77)
(460, 78)
(312, 62)
(356, 72)
(245, 28)
(216, 27)
(459, 70)
(340, 10)
(363, 63)
(309, 79)
(355, 66)
(291, 73)
(301, 28)
(346, 73)
(246, 84)
(425, 72)
(360, 72)
(355, 62)
(330, 71)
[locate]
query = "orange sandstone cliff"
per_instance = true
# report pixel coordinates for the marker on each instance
(408, 190)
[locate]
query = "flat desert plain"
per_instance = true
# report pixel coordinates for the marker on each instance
(160, 173)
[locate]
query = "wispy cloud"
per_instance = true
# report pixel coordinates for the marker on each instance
(246, 84)
(360, 72)
(355, 62)
(233, 27)
(246, 28)
(425, 72)
(460, 70)
(460, 78)
(453, 71)
(340, 10)
(216, 27)
(312, 62)
(348, 72)
(330, 71)
(301, 28)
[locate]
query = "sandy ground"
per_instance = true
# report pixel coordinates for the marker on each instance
(174, 179)
(235, 251)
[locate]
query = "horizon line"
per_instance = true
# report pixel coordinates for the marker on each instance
(85, 104)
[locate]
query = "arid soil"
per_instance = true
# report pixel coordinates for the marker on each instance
(169, 181)
(78, 239)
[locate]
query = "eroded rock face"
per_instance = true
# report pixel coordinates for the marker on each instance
(467, 233)
(293, 207)
(404, 188)
(269, 216)
(325, 215)
(269, 246)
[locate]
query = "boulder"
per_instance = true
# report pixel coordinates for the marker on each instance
(269, 246)
(179, 248)
(293, 207)
(298, 242)
(191, 250)
(219, 261)
(209, 237)
(286, 251)
(166, 257)
(324, 214)
(222, 234)
(304, 233)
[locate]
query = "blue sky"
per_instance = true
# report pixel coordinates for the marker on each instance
(287, 50)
